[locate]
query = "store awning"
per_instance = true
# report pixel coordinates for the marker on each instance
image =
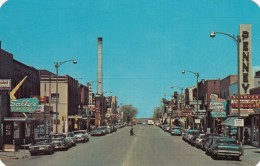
(229, 121)
(18, 119)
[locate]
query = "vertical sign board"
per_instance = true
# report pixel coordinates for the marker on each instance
(245, 59)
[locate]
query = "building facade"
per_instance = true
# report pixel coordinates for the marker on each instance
(67, 98)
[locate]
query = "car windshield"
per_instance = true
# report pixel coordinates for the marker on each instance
(39, 141)
(226, 141)
(57, 136)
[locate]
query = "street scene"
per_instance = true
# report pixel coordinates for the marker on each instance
(150, 146)
(130, 83)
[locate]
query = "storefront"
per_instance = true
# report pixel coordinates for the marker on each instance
(255, 134)
(18, 130)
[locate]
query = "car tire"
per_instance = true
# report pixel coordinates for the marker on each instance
(237, 158)
(215, 156)
(33, 154)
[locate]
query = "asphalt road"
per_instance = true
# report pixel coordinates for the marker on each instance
(150, 146)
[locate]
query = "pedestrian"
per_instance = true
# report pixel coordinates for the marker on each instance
(132, 131)
(246, 136)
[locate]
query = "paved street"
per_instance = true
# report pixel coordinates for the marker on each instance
(151, 146)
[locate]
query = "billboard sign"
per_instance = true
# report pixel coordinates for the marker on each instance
(25, 105)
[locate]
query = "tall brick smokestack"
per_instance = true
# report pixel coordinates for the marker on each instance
(100, 68)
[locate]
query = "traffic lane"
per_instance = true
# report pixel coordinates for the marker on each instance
(106, 150)
(150, 146)
(154, 147)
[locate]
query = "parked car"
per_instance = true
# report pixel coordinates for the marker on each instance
(227, 147)
(105, 128)
(208, 142)
(206, 139)
(71, 138)
(41, 146)
(195, 136)
(176, 131)
(186, 134)
(97, 132)
(81, 136)
(113, 128)
(199, 140)
(60, 143)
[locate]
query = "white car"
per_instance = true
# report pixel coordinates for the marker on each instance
(81, 136)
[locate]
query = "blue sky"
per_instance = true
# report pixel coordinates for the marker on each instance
(146, 43)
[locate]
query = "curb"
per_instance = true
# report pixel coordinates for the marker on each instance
(9, 157)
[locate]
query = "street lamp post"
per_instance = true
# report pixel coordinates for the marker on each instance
(237, 40)
(197, 82)
(57, 65)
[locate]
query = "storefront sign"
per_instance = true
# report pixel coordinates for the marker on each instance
(215, 114)
(243, 112)
(5, 84)
(197, 121)
(239, 122)
(195, 102)
(245, 59)
(217, 106)
(40, 109)
(28, 105)
(199, 113)
(247, 104)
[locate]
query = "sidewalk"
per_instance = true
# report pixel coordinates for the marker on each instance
(251, 155)
(20, 154)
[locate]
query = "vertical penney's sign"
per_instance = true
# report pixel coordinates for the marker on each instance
(245, 59)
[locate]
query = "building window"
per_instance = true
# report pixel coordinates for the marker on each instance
(55, 97)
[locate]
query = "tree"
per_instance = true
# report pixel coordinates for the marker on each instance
(129, 112)
(157, 113)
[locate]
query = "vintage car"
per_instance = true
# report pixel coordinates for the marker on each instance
(225, 147)
(205, 140)
(60, 143)
(187, 134)
(199, 141)
(81, 136)
(71, 138)
(176, 131)
(41, 146)
(97, 132)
